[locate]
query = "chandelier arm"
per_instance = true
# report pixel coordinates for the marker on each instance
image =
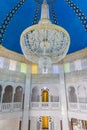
(79, 13)
(35, 19)
(8, 19)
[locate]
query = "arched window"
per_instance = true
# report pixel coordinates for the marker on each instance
(72, 94)
(54, 94)
(7, 97)
(45, 122)
(35, 95)
(34, 69)
(82, 94)
(0, 92)
(45, 96)
(18, 94)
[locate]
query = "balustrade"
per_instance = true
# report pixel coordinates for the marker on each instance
(73, 106)
(78, 106)
(17, 106)
(83, 106)
(45, 105)
(7, 107)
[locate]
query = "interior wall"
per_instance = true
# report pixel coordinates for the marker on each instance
(10, 124)
(34, 123)
(56, 121)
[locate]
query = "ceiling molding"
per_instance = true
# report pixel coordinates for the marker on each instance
(82, 54)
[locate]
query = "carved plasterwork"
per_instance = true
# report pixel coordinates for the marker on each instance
(82, 54)
(12, 55)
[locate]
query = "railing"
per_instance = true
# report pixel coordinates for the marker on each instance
(7, 107)
(83, 106)
(17, 106)
(45, 105)
(78, 106)
(73, 106)
(55, 105)
(35, 105)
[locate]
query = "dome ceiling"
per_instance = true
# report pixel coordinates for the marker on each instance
(17, 15)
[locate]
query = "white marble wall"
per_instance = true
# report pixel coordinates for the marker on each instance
(54, 119)
(9, 124)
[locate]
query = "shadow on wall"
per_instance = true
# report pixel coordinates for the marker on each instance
(0, 92)
(35, 95)
(18, 94)
(7, 97)
(8, 94)
(72, 94)
(82, 94)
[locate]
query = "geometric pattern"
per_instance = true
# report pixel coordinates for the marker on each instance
(35, 19)
(8, 18)
(53, 14)
(79, 13)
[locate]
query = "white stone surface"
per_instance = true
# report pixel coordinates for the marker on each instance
(9, 124)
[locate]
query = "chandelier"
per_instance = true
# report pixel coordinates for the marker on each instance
(45, 43)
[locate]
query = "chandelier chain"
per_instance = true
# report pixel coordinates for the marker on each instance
(53, 14)
(35, 19)
(8, 19)
(78, 12)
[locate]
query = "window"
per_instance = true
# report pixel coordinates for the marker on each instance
(67, 67)
(12, 65)
(55, 69)
(1, 62)
(77, 64)
(34, 69)
(45, 122)
(23, 68)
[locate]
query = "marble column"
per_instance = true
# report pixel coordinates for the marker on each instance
(25, 118)
(3, 90)
(63, 94)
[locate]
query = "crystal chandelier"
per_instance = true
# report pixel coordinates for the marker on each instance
(45, 43)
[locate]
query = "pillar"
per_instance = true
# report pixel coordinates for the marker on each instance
(25, 118)
(63, 93)
(3, 90)
(13, 93)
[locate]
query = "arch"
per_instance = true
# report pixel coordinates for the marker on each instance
(45, 96)
(82, 94)
(45, 122)
(18, 94)
(54, 94)
(0, 92)
(35, 95)
(72, 94)
(7, 97)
